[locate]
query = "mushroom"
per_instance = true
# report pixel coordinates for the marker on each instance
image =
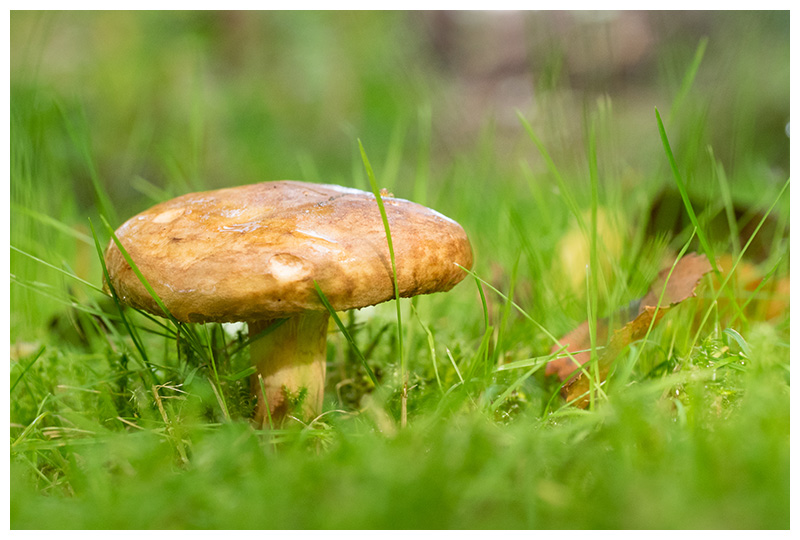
(253, 253)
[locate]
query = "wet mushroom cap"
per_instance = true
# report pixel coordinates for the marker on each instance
(252, 252)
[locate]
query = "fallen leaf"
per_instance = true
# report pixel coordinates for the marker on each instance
(672, 286)
(576, 343)
(681, 283)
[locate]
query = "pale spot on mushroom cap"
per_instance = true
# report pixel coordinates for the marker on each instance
(168, 216)
(287, 268)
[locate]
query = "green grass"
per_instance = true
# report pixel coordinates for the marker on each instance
(437, 411)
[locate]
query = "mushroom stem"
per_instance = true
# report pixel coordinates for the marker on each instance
(291, 362)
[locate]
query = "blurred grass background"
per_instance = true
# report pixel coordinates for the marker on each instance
(114, 111)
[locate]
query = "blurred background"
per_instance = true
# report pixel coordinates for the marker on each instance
(113, 111)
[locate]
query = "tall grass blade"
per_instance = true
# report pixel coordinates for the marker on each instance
(137, 272)
(454, 364)
(688, 79)
(506, 313)
(701, 236)
(727, 200)
(431, 347)
(128, 326)
(594, 267)
(53, 223)
(565, 192)
(193, 339)
(345, 333)
(60, 270)
(377, 192)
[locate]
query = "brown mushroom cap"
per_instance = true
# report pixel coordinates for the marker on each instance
(252, 252)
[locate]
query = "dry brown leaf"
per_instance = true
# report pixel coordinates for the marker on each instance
(672, 286)
(577, 340)
(681, 284)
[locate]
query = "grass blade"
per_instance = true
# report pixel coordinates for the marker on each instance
(53, 223)
(688, 78)
(376, 191)
(431, 347)
(594, 267)
(725, 191)
(27, 367)
(572, 204)
(194, 340)
(343, 328)
(58, 269)
(136, 271)
(137, 342)
(685, 195)
(739, 339)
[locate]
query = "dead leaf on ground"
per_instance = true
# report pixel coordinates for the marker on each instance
(577, 343)
(681, 284)
(672, 286)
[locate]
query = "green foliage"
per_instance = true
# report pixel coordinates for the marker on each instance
(437, 411)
